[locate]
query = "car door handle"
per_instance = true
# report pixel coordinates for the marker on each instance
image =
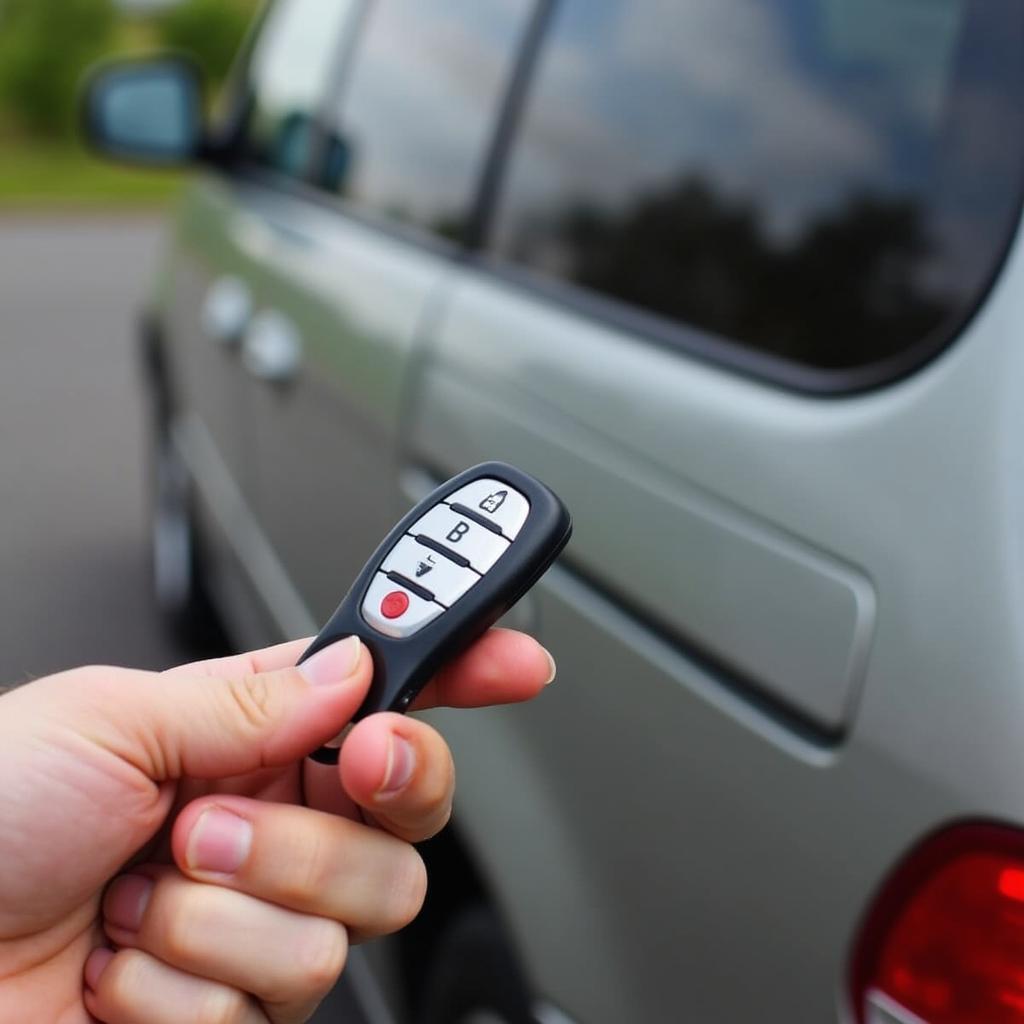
(272, 348)
(226, 310)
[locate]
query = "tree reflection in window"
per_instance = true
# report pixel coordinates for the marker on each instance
(829, 181)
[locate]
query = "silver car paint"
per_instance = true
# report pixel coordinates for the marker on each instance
(668, 845)
(664, 848)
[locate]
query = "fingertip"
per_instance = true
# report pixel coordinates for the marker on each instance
(181, 830)
(202, 851)
(401, 771)
(337, 663)
(503, 667)
(552, 667)
(367, 755)
(506, 658)
(95, 965)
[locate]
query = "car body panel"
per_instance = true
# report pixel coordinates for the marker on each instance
(355, 298)
(661, 832)
(325, 476)
(675, 826)
(784, 617)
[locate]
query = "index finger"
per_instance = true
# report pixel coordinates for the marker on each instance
(502, 667)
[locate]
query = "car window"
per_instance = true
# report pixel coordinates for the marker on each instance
(417, 114)
(829, 181)
(292, 66)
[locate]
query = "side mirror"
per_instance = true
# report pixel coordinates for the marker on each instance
(145, 111)
(337, 162)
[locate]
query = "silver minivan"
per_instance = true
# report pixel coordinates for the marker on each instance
(742, 281)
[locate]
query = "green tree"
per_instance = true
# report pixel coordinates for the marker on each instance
(209, 30)
(44, 47)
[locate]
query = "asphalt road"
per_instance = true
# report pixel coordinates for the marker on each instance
(73, 558)
(74, 585)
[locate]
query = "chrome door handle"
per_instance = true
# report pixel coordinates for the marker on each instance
(226, 310)
(272, 348)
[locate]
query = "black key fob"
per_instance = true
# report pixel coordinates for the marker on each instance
(443, 576)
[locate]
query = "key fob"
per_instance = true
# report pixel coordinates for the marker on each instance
(443, 576)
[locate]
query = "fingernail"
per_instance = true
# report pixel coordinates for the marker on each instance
(219, 842)
(96, 965)
(333, 664)
(401, 763)
(553, 668)
(126, 901)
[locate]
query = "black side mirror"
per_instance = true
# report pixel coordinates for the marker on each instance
(145, 111)
(338, 158)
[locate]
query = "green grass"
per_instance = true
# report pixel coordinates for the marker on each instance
(50, 177)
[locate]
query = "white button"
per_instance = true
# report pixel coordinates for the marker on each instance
(441, 576)
(471, 540)
(416, 615)
(497, 502)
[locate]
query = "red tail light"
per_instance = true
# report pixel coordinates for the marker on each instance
(944, 941)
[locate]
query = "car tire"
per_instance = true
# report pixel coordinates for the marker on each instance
(176, 552)
(475, 977)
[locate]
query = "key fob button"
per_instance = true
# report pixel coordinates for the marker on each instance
(496, 502)
(395, 611)
(441, 576)
(459, 533)
(395, 604)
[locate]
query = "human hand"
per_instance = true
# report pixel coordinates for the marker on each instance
(106, 766)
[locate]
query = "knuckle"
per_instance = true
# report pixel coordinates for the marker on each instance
(324, 958)
(222, 1005)
(124, 977)
(178, 929)
(253, 699)
(407, 891)
(309, 873)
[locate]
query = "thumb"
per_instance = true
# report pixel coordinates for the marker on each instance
(69, 807)
(207, 727)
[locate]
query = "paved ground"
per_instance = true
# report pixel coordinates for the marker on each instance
(73, 557)
(73, 568)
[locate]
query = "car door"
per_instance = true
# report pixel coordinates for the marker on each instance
(346, 269)
(217, 280)
(724, 231)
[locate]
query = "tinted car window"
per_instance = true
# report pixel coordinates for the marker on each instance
(830, 181)
(418, 112)
(290, 70)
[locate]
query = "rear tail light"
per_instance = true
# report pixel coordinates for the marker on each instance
(944, 941)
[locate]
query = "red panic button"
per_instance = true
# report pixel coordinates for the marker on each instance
(395, 604)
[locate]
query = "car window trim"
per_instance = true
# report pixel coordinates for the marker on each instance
(722, 353)
(350, 35)
(235, 160)
(229, 143)
(247, 172)
(226, 133)
(232, 159)
(506, 123)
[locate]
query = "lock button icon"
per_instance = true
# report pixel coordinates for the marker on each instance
(494, 501)
(504, 507)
